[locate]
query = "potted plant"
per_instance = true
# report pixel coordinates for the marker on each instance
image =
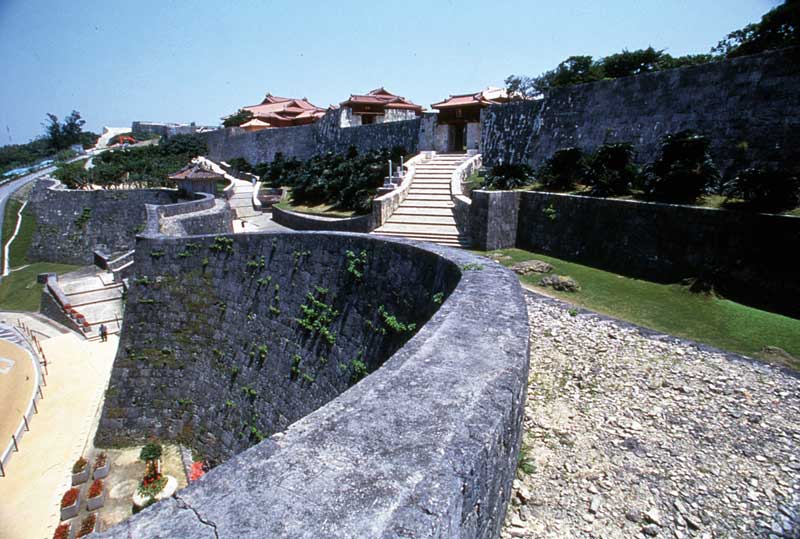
(154, 485)
(69, 503)
(88, 525)
(101, 466)
(63, 531)
(97, 495)
(80, 471)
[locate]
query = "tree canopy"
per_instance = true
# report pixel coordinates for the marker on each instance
(778, 28)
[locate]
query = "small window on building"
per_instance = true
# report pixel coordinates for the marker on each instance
(459, 113)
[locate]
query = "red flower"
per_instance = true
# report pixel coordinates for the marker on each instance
(196, 472)
(69, 497)
(87, 525)
(62, 532)
(96, 489)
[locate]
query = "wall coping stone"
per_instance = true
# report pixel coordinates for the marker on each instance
(426, 446)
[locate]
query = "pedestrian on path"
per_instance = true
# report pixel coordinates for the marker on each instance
(103, 333)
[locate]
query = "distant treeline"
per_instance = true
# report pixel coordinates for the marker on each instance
(778, 28)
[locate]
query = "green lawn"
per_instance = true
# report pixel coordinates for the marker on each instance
(19, 249)
(672, 309)
(323, 210)
(19, 290)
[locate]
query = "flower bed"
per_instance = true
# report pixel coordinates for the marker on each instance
(96, 495)
(69, 503)
(88, 525)
(196, 471)
(101, 466)
(63, 531)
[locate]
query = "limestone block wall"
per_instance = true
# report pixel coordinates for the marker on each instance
(71, 224)
(200, 312)
(747, 106)
(303, 142)
(425, 446)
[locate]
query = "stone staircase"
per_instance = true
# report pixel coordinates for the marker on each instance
(95, 295)
(241, 201)
(427, 212)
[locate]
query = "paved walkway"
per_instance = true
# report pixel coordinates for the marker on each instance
(427, 212)
(40, 473)
(258, 223)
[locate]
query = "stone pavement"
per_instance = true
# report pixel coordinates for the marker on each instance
(61, 432)
(258, 223)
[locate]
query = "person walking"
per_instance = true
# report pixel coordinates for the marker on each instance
(103, 333)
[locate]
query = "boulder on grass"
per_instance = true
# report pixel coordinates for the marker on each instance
(560, 283)
(531, 266)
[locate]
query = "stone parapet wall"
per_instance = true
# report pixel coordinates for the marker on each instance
(747, 106)
(425, 445)
(744, 255)
(305, 221)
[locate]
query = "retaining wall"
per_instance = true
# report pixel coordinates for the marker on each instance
(747, 106)
(72, 224)
(745, 255)
(425, 446)
(305, 141)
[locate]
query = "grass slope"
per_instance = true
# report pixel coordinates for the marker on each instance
(19, 291)
(673, 309)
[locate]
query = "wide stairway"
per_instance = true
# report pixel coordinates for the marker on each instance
(427, 212)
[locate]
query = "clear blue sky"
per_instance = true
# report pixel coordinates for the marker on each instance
(121, 60)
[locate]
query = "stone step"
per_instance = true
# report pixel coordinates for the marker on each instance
(428, 191)
(85, 286)
(427, 203)
(408, 210)
(443, 198)
(449, 242)
(442, 230)
(95, 296)
(422, 219)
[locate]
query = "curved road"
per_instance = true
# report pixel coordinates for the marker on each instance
(10, 187)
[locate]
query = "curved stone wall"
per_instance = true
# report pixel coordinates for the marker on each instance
(424, 446)
(305, 221)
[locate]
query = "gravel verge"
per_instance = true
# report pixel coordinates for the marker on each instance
(632, 433)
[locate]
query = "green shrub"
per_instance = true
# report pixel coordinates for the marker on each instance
(347, 181)
(684, 169)
(508, 176)
(766, 189)
(563, 170)
(610, 171)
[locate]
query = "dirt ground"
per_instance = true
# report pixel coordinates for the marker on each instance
(17, 380)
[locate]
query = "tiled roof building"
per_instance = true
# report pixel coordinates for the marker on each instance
(377, 106)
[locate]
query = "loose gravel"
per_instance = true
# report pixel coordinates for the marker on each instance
(629, 433)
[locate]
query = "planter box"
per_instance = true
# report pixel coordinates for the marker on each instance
(96, 502)
(81, 477)
(102, 472)
(90, 534)
(71, 510)
(71, 532)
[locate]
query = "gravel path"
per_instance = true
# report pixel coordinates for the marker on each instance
(629, 434)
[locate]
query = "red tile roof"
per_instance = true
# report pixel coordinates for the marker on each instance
(489, 96)
(195, 171)
(384, 98)
(283, 111)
